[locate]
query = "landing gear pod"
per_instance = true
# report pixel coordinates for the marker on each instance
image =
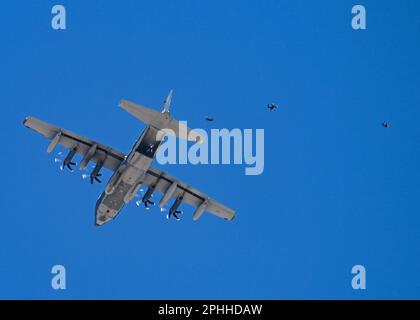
(132, 193)
(116, 178)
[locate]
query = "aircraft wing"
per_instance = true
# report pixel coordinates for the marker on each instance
(193, 197)
(111, 158)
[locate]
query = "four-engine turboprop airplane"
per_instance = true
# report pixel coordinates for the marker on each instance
(133, 170)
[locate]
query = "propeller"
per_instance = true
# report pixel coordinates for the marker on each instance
(67, 162)
(95, 174)
(149, 202)
(145, 202)
(146, 198)
(85, 173)
(95, 177)
(58, 158)
(173, 211)
(176, 213)
(68, 165)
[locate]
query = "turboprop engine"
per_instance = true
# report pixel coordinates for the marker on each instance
(95, 172)
(146, 198)
(68, 160)
(174, 209)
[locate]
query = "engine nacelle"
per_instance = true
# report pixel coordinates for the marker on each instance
(200, 210)
(148, 193)
(89, 155)
(95, 174)
(176, 204)
(68, 160)
(54, 142)
(168, 194)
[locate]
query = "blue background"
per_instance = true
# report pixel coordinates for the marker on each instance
(337, 189)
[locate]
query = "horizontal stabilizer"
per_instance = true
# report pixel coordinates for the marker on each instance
(144, 114)
(161, 121)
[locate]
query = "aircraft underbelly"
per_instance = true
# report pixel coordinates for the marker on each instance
(133, 172)
(109, 205)
(115, 201)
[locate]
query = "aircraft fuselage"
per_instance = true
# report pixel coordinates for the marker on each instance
(127, 179)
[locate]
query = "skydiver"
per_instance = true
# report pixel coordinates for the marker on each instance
(271, 106)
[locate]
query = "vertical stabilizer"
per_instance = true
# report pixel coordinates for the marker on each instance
(167, 103)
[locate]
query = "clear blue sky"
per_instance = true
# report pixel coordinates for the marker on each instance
(337, 190)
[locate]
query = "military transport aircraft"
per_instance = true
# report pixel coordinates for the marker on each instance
(133, 170)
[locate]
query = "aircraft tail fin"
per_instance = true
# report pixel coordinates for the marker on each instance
(167, 102)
